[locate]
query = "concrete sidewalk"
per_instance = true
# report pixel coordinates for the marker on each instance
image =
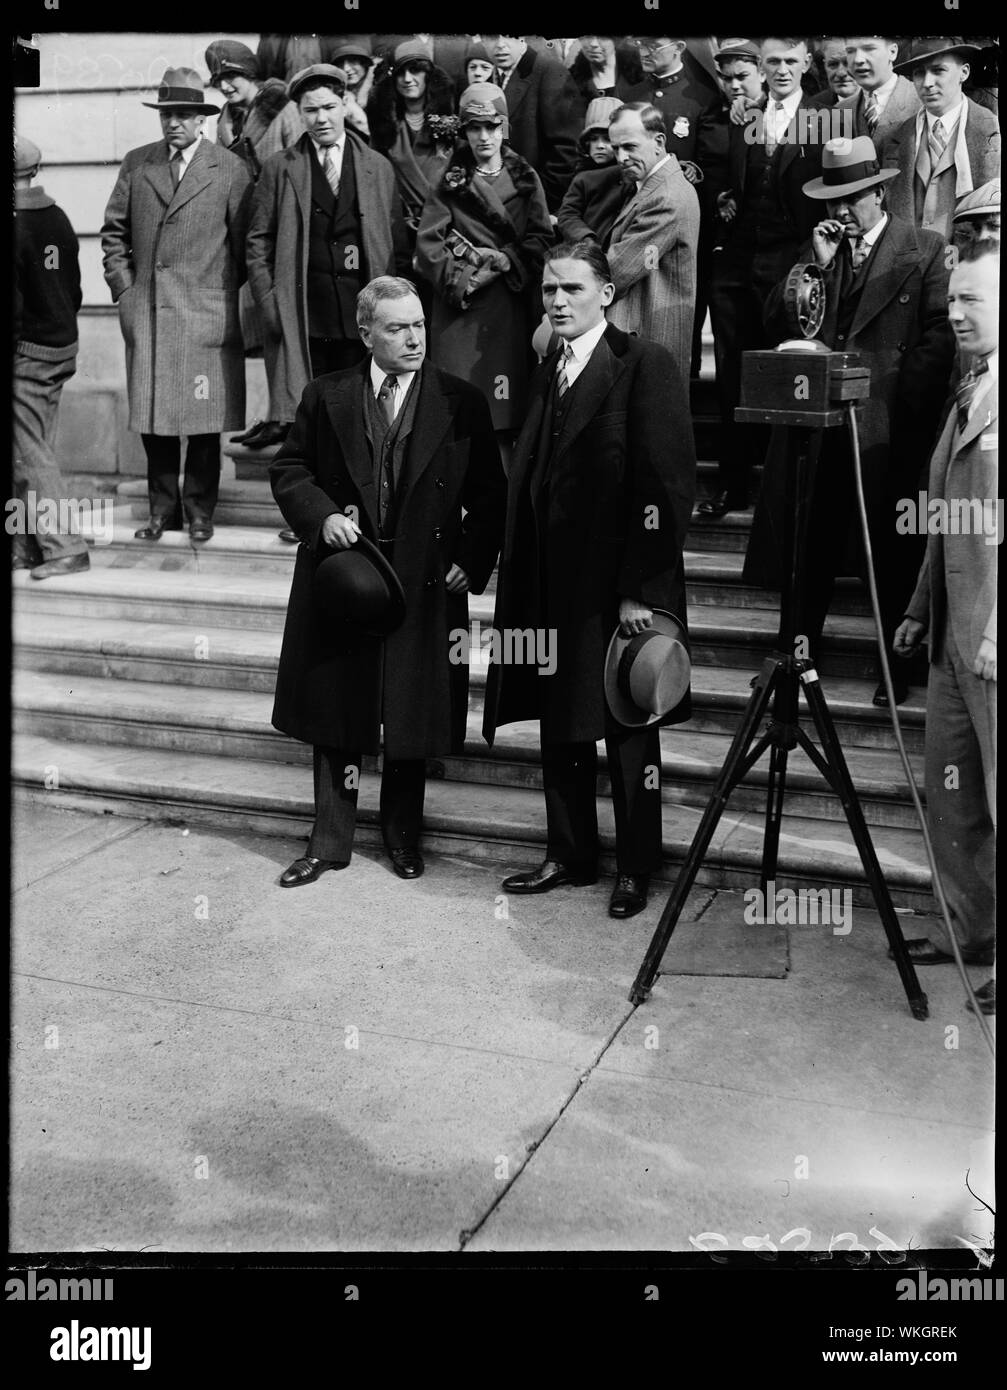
(204, 1061)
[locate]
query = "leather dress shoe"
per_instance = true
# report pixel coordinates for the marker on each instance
(272, 432)
(407, 863)
(200, 529)
(248, 435)
(900, 691)
(550, 874)
(719, 505)
(921, 951)
(155, 529)
(291, 536)
(25, 562)
(304, 870)
(629, 896)
(986, 998)
(66, 564)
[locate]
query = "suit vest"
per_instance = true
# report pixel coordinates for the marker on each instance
(336, 272)
(388, 444)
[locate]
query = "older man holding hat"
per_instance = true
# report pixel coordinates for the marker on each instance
(950, 147)
(885, 286)
(392, 480)
(174, 254)
(326, 218)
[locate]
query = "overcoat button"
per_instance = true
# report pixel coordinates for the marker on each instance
(903, 299)
(902, 347)
(438, 534)
(438, 482)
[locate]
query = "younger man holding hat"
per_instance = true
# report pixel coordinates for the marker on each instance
(600, 491)
(950, 147)
(174, 252)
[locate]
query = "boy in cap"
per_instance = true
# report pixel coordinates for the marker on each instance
(46, 300)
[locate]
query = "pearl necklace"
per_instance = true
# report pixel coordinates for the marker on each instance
(489, 173)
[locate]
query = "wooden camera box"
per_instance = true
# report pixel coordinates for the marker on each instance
(800, 387)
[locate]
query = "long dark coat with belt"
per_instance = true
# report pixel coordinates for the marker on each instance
(614, 529)
(174, 261)
(901, 326)
(336, 692)
(278, 250)
(486, 339)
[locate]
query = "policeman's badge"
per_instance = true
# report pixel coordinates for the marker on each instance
(681, 127)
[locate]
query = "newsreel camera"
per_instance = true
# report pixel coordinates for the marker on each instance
(805, 387)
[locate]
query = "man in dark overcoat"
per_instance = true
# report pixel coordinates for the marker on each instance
(326, 218)
(600, 492)
(885, 287)
(401, 453)
(174, 254)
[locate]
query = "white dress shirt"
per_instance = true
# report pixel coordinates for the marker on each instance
(882, 94)
(403, 381)
(335, 150)
(777, 120)
(987, 382)
(185, 155)
(581, 349)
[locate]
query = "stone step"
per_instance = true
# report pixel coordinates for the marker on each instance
(143, 582)
(503, 826)
(236, 723)
(246, 503)
(245, 658)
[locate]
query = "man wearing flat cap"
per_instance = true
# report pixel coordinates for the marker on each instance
(599, 496)
(978, 215)
(885, 286)
(950, 147)
(174, 253)
(326, 218)
(397, 462)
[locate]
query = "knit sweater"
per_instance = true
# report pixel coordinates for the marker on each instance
(47, 287)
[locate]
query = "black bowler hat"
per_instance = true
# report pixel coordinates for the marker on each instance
(356, 589)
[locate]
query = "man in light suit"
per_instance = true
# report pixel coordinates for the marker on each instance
(950, 147)
(653, 242)
(885, 98)
(954, 607)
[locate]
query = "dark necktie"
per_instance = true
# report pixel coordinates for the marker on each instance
(859, 251)
(387, 397)
(175, 165)
(562, 384)
(965, 392)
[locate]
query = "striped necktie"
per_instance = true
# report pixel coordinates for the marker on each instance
(965, 392)
(871, 113)
(859, 251)
(938, 140)
(562, 383)
(331, 172)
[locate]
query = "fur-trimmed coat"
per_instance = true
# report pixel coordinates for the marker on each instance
(418, 158)
(486, 339)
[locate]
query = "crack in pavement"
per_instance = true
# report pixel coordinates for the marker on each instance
(84, 854)
(465, 1236)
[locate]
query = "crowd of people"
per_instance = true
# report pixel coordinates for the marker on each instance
(493, 186)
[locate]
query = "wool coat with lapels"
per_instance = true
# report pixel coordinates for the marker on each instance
(484, 334)
(599, 515)
(333, 690)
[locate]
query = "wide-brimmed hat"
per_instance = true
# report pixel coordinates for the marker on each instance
(357, 592)
(922, 49)
(335, 77)
(27, 155)
(646, 676)
(981, 202)
(484, 101)
(182, 87)
(737, 48)
(228, 55)
(599, 112)
(848, 166)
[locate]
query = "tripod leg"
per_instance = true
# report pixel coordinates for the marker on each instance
(735, 767)
(774, 815)
(843, 785)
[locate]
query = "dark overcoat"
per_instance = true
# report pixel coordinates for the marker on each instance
(486, 339)
(546, 115)
(278, 250)
(901, 324)
(332, 691)
(174, 261)
(611, 525)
